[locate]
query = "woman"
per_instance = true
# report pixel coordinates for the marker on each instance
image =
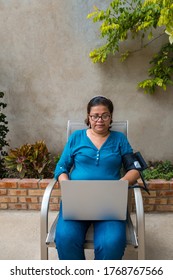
(95, 154)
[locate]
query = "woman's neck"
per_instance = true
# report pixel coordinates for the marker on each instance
(99, 134)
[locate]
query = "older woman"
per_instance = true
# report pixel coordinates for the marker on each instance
(93, 154)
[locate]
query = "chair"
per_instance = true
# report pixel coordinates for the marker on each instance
(135, 233)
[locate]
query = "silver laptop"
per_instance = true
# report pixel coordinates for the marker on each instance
(94, 200)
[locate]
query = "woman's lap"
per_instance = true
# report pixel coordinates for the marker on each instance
(109, 238)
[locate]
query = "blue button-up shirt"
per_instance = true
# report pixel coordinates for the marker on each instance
(82, 160)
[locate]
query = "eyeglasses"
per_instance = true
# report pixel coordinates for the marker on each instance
(105, 117)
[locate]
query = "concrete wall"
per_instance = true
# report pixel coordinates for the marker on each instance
(48, 77)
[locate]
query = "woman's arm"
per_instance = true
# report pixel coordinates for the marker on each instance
(131, 176)
(65, 163)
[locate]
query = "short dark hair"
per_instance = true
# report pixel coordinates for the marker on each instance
(99, 100)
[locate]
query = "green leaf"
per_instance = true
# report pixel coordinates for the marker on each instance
(19, 167)
(93, 14)
(150, 35)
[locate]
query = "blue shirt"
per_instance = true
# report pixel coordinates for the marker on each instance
(86, 162)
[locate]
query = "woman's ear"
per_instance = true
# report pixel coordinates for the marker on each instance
(87, 121)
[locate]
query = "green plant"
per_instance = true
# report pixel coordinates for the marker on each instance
(3, 132)
(30, 160)
(138, 19)
(161, 71)
(159, 170)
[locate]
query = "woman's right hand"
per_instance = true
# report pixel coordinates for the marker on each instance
(63, 177)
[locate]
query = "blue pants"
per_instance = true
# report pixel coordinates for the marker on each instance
(109, 239)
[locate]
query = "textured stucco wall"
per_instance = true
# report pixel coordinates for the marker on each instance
(48, 77)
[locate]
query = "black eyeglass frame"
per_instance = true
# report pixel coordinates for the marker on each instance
(97, 117)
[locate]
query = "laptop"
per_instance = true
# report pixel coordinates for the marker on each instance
(94, 199)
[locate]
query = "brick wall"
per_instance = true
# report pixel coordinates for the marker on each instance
(26, 194)
(160, 198)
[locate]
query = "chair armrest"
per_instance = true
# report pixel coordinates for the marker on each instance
(140, 222)
(44, 213)
(46, 198)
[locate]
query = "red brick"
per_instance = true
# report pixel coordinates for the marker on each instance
(54, 207)
(37, 192)
(56, 193)
(17, 192)
(165, 193)
(153, 200)
(28, 184)
(3, 192)
(8, 199)
(44, 183)
(54, 200)
(28, 199)
(164, 208)
(170, 200)
(148, 208)
(3, 206)
(17, 206)
(34, 206)
(10, 183)
(158, 185)
(152, 194)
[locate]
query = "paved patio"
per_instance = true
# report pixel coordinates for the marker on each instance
(20, 232)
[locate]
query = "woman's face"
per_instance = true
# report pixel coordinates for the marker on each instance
(100, 118)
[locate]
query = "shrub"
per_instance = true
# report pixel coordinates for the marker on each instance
(159, 170)
(30, 161)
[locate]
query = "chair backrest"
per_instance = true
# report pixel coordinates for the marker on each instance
(121, 126)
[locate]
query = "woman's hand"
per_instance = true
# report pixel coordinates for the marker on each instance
(63, 177)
